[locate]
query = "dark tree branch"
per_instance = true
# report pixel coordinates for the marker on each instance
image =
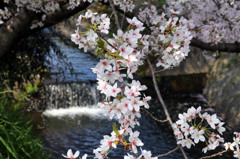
(63, 14)
(13, 28)
(214, 155)
(163, 103)
(115, 14)
(18, 26)
(154, 118)
(169, 152)
(221, 47)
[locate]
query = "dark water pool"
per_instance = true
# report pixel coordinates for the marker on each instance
(81, 128)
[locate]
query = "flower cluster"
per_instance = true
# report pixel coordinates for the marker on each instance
(38, 6)
(73, 4)
(169, 39)
(51, 7)
(96, 24)
(125, 5)
(235, 146)
(215, 21)
(122, 53)
(4, 14)
(193, 127)
(38, 24)
(118, 137)
(123, 101)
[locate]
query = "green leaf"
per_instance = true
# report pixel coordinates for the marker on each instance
(101, 43)
(99, 52)
(115, 129)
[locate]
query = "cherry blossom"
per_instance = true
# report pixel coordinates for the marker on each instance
(146, 155)
(198, 135)
(70, 155)
(234, 146)
(229, 146)
(135, 141)
(212, 21)
(212, 120)
(193, 127)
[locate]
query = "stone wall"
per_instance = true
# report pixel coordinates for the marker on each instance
(223, 88)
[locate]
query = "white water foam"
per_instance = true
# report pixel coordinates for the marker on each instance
(74, 111)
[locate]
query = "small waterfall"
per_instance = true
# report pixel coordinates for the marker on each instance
(71, 95)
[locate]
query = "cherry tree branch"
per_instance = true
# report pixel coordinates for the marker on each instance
(163, 103)
(162, 70)
(154, 118)
(221, 47)
(18, 26)
(214, 155)
(169, 152)
(105, 40)
(115, 14)
(11, 30)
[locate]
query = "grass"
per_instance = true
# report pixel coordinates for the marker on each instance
(17, 140)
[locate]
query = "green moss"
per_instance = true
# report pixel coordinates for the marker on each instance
(238, 95)
(140, 72)
(228, 64)
(31, 89)
(234, 80)
(161, 2)
(159, 80)
(235, 60)
(220, 71)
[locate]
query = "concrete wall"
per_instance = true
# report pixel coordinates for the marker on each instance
(223, 88)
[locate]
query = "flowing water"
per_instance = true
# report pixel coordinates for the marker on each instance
(72, 119)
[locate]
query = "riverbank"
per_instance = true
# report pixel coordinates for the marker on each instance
(36, 102)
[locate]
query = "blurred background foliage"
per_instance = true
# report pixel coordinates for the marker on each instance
(30, 59)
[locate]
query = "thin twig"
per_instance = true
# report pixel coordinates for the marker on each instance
(214, 155)
(124, 16)
(154, 118)
(115, 14)
(163, 70)
(163, 103)
(159, 71)
(169, 152)
(105, 40)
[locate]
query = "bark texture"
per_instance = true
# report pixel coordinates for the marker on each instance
(11, 30)
(221, 47)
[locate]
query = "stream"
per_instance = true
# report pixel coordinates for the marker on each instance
(72, 119)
